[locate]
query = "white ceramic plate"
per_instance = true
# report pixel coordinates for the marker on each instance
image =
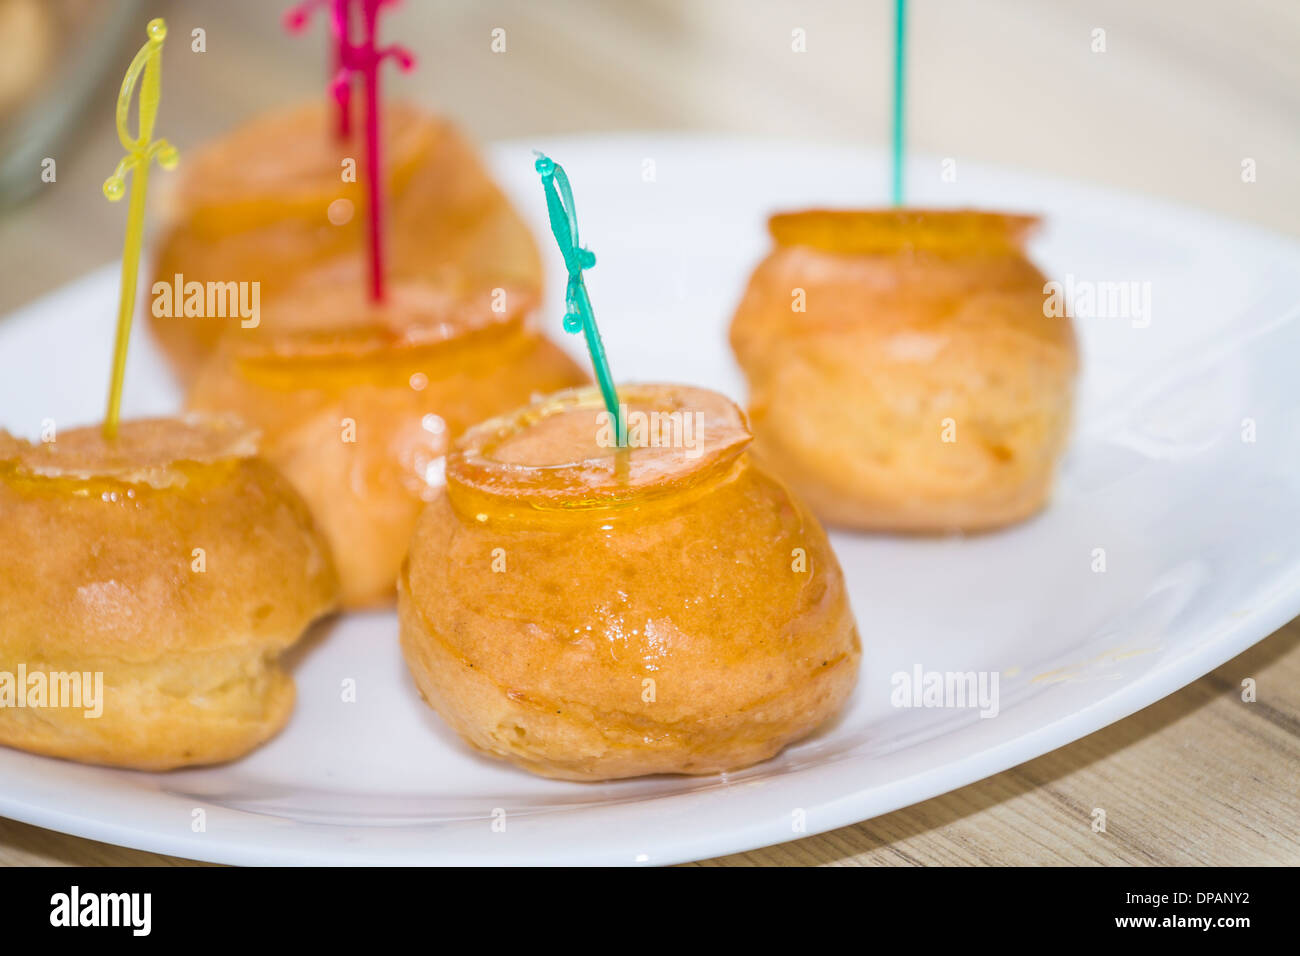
(1201, 532)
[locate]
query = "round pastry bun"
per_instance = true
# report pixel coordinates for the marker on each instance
(590, 613)
(903, 373)
(168, 566)
(356, 403)
(269, 203)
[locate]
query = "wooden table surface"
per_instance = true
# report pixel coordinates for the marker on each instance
(1185, 91)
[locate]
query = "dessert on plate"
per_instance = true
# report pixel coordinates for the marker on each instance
(281, 201)
(356, 402)
(590, 612)
(903, 372)
(148, 585)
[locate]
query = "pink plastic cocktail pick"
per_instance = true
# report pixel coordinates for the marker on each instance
(362, 59)
(296, 20)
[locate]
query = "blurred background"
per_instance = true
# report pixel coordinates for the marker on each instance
(1182, 93)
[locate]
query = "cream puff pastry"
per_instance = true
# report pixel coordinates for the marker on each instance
(356, 403)
(590, 612)
(148, 586)
(280, 200)
(904, 374)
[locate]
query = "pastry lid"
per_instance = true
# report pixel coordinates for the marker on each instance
(327, 325)
(887, 231)
(561, 452)
(149, 451)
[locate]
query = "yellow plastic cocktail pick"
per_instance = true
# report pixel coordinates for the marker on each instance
(139, 153)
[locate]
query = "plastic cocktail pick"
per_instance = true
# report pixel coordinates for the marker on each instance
(296, 20)
(363, 59)
(578, 316)
(140, 151)
(900, 95)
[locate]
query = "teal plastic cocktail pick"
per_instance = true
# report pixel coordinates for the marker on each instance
(900, 95)
(578, 316)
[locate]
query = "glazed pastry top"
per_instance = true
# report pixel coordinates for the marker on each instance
(885, 231)
(157, 452)
(331, 317)
(563, 453)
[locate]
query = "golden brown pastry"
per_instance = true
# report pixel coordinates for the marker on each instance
(903, 375)
(269, 203)
(357, 403)
(170, 562)
(591, 613)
